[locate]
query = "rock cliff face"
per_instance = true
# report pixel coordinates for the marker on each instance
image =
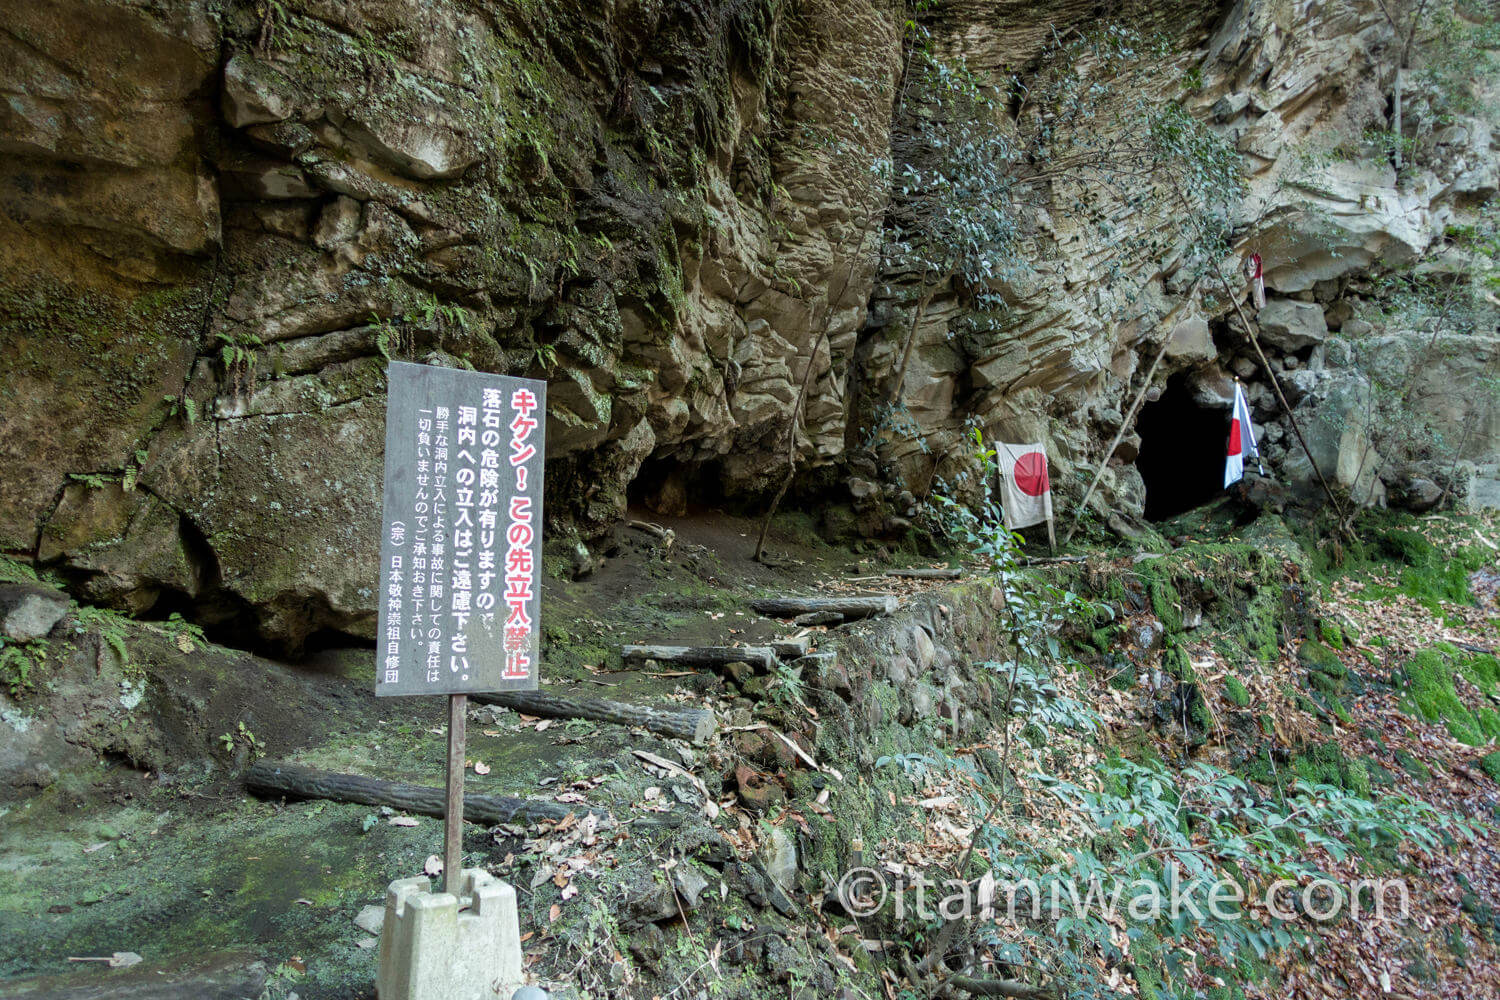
(221, 218)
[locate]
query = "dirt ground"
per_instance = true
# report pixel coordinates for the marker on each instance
(178, 860)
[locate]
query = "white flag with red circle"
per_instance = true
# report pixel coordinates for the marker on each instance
(1241, 439)
(1026, 491)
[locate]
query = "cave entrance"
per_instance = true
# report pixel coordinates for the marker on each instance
(1182, 451)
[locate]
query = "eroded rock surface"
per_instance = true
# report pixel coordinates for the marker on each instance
(219, 221)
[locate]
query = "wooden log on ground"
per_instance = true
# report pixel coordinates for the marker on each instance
(704, 656)
(1002, 988)
(695, 725)
(849, 607)
(656, 531)
(921, 573)
(278, 779)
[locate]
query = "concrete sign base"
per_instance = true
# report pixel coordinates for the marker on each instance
(438, 946)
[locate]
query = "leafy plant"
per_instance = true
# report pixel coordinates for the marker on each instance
(182, 406)
(237, 358)
(242, 737)
(18, 663)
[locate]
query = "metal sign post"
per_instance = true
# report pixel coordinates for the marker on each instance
(460, 551)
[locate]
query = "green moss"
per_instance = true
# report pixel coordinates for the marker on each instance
(1490, 764)
(1483, 671)
(1331, 634)
(1122, 673)
(1237, 692)
(1431, 692)
(1166, 604)
(1406, 546)
(1319, 658)
(1102, 639)
(1176, 663)
(1412, 766)
(1326, 764)
(1259, 630)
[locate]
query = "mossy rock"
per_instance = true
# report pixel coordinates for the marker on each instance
(1166, 604)
(1260, 628)
(1413, 767)
(1317, 657)
(1431, 692)
(1326, 764)
(1122, 671)
(1331, 633)
(1102, 639)
(1331, 686)
(1176, 663)
(1237, 692)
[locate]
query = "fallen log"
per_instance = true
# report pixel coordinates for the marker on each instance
(1002, 988)
(656, 531)
(919, 573)
(704, 656)
(849, 607)
(278, 779)
(695, 725)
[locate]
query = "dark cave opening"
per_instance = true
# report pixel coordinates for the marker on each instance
(1182, 451)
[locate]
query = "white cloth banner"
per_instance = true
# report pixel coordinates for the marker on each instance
(1025, 491)
(1241, 440)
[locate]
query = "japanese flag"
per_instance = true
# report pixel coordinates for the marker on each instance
(1241, 439)
(1025, 491)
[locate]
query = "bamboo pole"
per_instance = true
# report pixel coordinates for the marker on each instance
(1119, 436)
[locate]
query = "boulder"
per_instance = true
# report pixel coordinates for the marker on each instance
(1190, 341)
(1289, 325)
(254, 92)
(778, 853)
(29, 612)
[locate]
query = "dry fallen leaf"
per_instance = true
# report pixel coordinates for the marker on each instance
(554, 913)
